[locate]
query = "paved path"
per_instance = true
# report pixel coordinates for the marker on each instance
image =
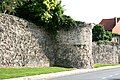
(108, 74)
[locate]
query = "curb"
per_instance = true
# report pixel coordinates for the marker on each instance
(60, 74)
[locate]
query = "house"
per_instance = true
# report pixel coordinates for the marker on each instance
(112, 25)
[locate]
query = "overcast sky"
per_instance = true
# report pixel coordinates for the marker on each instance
(92, 11)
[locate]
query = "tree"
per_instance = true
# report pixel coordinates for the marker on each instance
(8, 6)
(37, 11)
(45, 13)
(98, 33)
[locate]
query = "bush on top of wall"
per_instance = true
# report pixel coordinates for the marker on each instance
(100, 34)
(45, 13)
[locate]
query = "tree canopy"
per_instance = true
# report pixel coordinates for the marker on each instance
(8, 6)
(99, 33)
(45, 13)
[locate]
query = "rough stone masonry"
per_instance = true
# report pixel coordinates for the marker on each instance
(108, 53)
(75, 47)
(23, 44)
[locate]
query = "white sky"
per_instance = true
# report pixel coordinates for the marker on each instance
(92, 11)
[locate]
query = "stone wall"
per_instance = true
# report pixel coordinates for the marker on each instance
(75, 47)
(23, 45)
(106, 53)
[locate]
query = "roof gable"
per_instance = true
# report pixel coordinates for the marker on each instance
(116, 29)
(109, 24)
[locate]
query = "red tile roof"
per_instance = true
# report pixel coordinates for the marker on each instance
(109, 24)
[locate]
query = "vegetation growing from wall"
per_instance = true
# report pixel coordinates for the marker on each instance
(45, 13)
(8, 6)
(99, 33)
(115, 35)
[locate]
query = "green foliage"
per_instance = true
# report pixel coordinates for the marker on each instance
(45, 13)
(104, 42)
(115, 35)
(108, 36)
(6, 73)
(67, 23)
(99, 33)
(37, 11)
(8, 6)
(103, 65)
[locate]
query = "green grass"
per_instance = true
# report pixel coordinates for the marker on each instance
(6, 73)
(103, 65)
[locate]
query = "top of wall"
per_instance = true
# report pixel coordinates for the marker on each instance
(82, 34)
(11, 19)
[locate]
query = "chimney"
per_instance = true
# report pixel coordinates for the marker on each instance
(115, 21)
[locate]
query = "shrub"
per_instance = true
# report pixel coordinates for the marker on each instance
(99, 33)
(45, 13)
(108, 36)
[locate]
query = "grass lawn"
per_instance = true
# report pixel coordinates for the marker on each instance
(103, 65)
(6, 73)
